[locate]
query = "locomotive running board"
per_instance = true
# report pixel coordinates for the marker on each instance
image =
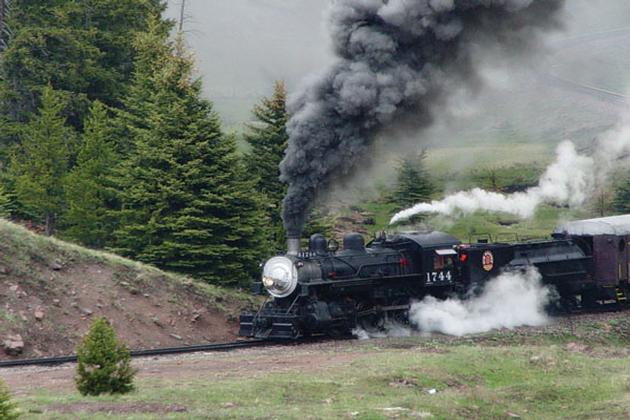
(275, 327)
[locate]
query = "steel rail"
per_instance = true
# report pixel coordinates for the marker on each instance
(55, 361)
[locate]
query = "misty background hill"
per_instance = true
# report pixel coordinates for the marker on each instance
(242, 46)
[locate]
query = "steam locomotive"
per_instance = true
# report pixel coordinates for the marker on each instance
(323, 290)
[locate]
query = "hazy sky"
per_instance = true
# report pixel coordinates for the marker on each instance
(242, 46)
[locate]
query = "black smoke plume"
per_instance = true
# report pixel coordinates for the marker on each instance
(397, 60)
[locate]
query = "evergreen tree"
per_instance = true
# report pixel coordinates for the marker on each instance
(41, 161)
(84, 49)
(318, 221)
(188, 204)
(621, 201)
(413, 183)
(103, 363)
(151, 52)
(88, 186)
(8, 409)
(268, 140)
(6, 205)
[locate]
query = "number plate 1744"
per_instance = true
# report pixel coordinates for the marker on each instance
(439, 277)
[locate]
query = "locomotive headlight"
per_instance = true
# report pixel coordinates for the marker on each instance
(267, 282)
(280, 277)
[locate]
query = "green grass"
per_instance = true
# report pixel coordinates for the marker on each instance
(471, 381)
(502, 227)
(481, 225)
(461, 159)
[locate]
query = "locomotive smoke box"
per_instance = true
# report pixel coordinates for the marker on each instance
(397, 62)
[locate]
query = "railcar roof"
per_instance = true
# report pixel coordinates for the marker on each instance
(616, 225)
(430, 239)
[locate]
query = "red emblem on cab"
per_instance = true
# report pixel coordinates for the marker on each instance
(487, 261)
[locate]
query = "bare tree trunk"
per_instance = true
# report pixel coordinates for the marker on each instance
(181, 15)
(50, 222)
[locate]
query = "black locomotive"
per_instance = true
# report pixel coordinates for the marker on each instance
(325, 291)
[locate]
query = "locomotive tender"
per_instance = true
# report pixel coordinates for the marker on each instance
(325, 291)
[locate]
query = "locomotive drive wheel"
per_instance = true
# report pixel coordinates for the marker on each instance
(337, 333)
(372, 323)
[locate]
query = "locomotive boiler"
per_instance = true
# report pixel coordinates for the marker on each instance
(323, 290)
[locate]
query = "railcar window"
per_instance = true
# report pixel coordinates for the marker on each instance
(622, 245)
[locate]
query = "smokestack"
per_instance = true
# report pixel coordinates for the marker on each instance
(293, 245)
(397, 59)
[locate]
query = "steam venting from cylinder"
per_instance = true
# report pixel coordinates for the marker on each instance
(396, 62)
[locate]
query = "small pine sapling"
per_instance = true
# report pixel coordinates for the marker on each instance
(103, 363)
(8, 409)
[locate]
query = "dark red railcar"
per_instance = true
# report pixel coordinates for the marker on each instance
(607, 240)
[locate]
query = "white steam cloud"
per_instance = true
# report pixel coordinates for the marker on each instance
(569, 180)
(390, 329)
(510, 300)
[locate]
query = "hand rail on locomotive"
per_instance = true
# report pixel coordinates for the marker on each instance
(346, 281)
(361, 267)
(365, 266)
(292, 304)
(334, 257)
(260, 310)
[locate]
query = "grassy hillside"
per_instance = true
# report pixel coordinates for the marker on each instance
(480, 225)
(52, 289)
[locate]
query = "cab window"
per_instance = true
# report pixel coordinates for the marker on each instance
(441, 263)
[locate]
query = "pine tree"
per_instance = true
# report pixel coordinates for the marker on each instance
(41, 161)
(621, 201)
(6, 206)
(8, 409)
(103, 363)
(318, 222)
(151, 52)
(88, 186)
(413, 183)
(188, 204)
(268, 140)
(84, 49)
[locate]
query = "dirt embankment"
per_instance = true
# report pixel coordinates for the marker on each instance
(51, 290)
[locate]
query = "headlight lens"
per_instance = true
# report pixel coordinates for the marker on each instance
(280, 277)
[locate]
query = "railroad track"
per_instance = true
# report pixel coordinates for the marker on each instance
(54, 361)
(222, 347)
